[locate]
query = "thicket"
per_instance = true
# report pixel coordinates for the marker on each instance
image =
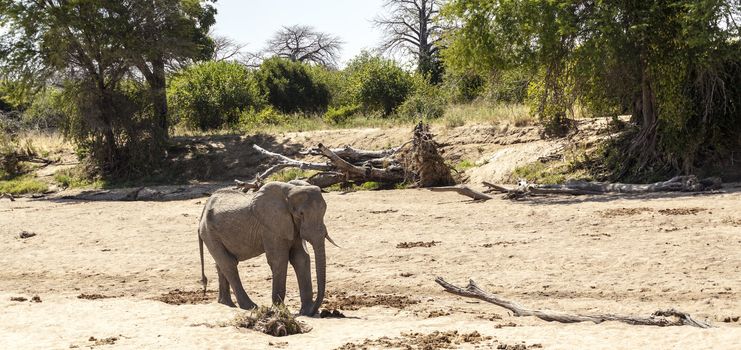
(213, 95)
(290, 88)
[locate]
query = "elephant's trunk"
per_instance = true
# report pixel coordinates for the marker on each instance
(321, 276)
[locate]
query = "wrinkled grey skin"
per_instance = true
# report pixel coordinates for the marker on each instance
(237, 226)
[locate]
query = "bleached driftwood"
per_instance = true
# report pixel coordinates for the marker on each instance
(355, 155)
(688, 183)
(8, 196)
(659, 318)
(464, 190)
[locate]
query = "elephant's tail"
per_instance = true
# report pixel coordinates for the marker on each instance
(204, 280)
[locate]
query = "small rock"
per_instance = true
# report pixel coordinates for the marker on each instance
(36, 299)
(18, 299)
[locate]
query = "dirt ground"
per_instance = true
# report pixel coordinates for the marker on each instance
(103, 270)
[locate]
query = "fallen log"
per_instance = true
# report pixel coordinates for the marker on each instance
(367, 173)
(464, 190)
(688, 183)
(659, 318)
(420, 164)
(354, 155)
(8, 196)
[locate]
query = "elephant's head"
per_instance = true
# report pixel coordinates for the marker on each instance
(299, 210)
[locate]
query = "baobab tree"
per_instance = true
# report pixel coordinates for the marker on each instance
(410, 25)
(301, 43)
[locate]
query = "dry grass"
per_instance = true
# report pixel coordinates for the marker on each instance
(481, 112)
(46, 144)
(274, 320)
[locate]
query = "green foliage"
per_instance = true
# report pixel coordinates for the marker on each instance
(130, 144)
(212, 95)
(464, 165)
(290, 88)
(463, 87)
(337, 83)
(371, 186)
(341, 114)
(425, 103)
(289, 174)
(75, 178)
(378, 84)
(23, 185)
(252, 119)
(91, 47)
(538, 172)
(47, 111)
(671, 64)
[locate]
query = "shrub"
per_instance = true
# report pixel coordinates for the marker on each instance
(464, 88)
(117, 132)
(341, 114)
(427, 102)
(212, 95)
(47, 110)
(267, 116)
(337, 83)
(378, 84)
(290, 88)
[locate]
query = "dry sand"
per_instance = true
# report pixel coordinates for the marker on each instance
(589, 254)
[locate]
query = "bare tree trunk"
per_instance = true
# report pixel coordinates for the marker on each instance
(158, 86)
(658, 318)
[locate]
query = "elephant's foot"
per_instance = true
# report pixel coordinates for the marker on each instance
(227, 302)
(247, 306)
(306, 311)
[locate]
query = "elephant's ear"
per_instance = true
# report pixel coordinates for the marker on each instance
(273, 211)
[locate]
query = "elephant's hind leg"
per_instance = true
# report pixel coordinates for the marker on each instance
(227, 265)
(225, 295)
(302, 266)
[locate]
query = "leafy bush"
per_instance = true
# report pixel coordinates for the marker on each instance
(427, 102)
(378, 84)
(267, 116)
(212, 95)
(464, 88)
(117, 133)
(47, 110)
(337, 83)
(290, 88)
(509, 86)
(341, 114)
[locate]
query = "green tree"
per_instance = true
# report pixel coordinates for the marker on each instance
(93, 46)
(378, 84)
(212, 95)
(671, 64)
(290, 88)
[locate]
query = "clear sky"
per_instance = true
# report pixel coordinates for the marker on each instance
(254, 22)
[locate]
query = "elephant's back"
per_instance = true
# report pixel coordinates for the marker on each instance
(228, 218)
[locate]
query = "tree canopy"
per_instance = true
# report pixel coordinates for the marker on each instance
(673, 65)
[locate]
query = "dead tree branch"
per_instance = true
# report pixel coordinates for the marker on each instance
(688, 183)
(464, 190)
(658, 318)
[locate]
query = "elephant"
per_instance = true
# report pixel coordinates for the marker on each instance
(278, 220)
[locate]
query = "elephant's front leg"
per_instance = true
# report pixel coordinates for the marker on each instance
(278, 262)
(301, 263)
